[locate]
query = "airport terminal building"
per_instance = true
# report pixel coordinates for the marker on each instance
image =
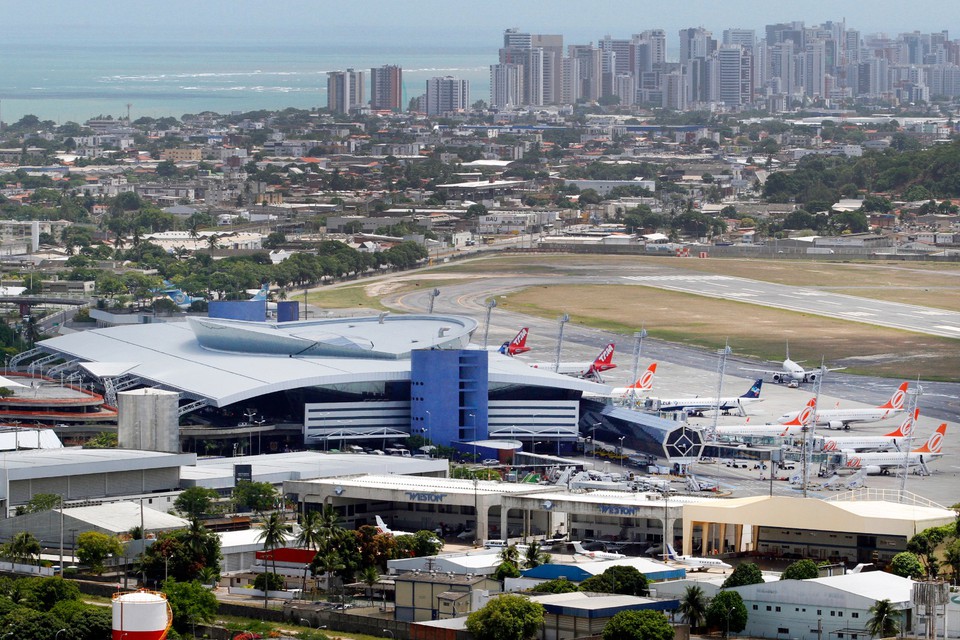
(329, 383)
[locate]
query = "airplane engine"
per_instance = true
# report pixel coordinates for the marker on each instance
(810, 377)
(873, 470)
(836, 424)
(779, 377)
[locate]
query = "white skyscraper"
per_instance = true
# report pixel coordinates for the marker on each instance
(506, 85)
(446, 94)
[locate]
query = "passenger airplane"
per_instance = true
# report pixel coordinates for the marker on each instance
(882, 462)
(261, 295)
(892, 440)
(596, 555)
(516, 346)
(589, 370)
(697, 405)
(622, 394)
(794, 427)
(699, 564)
(791, 370)
(843, 418)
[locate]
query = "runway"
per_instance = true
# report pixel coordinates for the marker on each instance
(936, 322)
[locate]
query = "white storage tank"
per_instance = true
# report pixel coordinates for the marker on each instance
(141, 615)
(148, 420)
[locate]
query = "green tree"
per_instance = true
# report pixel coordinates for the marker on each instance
(507, 617)
(745, 573)
(560, 585)
(475, 211)
(884, 620)
(195, 502)
(93, 548)
(23, 548)
(801, 570)
(258, 496)
(619, 579)
(638, 625)
(727, 612)
(693, 606)
(924, 546)
(181, 554)
(191, 603)
(42, 502)
(506, 570)
(906, 565)
(310, 535)
(535, 556)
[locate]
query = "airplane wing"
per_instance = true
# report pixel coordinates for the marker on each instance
(764, 371)
(807, 372)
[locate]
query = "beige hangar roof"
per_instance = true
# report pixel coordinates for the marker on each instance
(855, 512)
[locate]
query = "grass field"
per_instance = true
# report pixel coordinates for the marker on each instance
(368, 294)
(753, 331)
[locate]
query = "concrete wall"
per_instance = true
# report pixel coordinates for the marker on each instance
(148, 420)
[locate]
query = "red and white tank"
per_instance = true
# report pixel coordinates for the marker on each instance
(141, 615)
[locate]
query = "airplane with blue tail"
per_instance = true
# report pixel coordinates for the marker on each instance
(697, 405)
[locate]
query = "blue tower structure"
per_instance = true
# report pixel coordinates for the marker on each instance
(448, 395)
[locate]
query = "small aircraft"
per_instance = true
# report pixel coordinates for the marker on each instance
(880, 463)
(843, 418)
(383, 528)
(516, 346)
(588, 370)
(892, 440)
(697, 405)
(700, 564)
(791, 371)
(260, 295)
(596, 555)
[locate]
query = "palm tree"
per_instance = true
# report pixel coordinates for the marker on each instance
(884, 620)
(273, 536)
(693, 606)
(23, 547)
(370, 576)
(310, 535)
(510, 554)
(535, 556)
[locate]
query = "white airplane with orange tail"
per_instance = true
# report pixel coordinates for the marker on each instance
(642, 386)
(893, 440)
(843, 418)
(794, 427)
(882, 462)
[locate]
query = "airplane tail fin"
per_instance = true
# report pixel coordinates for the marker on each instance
(645, 381)
(805, 416)
(906, 427)
(603, 362)
(934, 443)
(518, 344)
(262, 293)
(381, 525)
(754, 391)
(178, 296)
(578, 548)
(896, 400)
(671, 552)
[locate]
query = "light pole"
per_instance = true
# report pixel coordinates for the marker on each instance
(621, 438)
(726, 633)
(61, 533)
(476, 511)
(473, 421)
(428, 430)
(639, 335)
(489, 304)
(564, 319)
(433, 296)
(593, 437)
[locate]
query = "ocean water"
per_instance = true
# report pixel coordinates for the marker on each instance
(77, 80)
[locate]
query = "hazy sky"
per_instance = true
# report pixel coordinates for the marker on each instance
(479, 21)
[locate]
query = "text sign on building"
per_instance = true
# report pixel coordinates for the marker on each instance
(618, 510)
(414, 496)
(242, 472)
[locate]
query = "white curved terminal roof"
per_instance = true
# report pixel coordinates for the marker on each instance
(243, 364)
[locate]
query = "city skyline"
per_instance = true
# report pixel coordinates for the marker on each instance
(219, 20)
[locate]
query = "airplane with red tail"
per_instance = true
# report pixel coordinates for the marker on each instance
(588, 370)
